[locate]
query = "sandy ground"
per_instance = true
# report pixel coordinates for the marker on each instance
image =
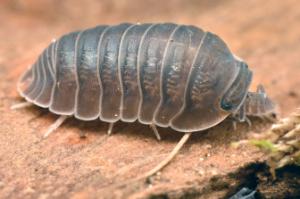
(80, 160)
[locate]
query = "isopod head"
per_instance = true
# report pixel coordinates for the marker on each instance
(217, 88)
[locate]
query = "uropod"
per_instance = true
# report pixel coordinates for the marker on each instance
(165, 75)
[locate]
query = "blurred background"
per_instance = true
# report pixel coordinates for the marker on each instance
(264, 33)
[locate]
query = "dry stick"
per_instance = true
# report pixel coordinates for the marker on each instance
(137, 163)
(159, 167)
(168, 159)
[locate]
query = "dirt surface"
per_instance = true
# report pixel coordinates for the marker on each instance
(80, 160)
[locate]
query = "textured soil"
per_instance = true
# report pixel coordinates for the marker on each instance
(80, 160)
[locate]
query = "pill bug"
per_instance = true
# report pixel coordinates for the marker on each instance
(165, 75)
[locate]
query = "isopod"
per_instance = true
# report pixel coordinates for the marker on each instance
(165, 75)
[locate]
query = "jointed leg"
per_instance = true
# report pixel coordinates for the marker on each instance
(234, 125)
(55, 125)
(153, 127)
(248, 122)
(20, 105)
(110, 128)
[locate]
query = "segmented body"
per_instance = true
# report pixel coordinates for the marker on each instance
(163, 74)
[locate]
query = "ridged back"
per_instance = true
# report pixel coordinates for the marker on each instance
(165, 74)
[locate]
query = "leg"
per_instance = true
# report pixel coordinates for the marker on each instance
(20, 105)
(55, 125)
(153, 127)
(234, 125)
(110, 128)
(248, 122)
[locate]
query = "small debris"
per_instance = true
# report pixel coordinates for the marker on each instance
(281, 143)
(244, 193)
(292, 94)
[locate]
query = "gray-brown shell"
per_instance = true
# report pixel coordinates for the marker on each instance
(164, 74)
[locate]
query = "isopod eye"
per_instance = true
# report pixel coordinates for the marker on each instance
(237, 92)
(226, 106)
